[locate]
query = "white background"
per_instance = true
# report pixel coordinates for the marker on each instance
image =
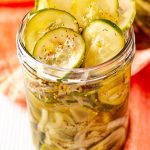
(14, 127)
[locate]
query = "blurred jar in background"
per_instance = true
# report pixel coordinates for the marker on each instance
(143, 15)
(142, 24)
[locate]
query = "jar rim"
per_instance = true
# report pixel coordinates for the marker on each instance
(26, 57)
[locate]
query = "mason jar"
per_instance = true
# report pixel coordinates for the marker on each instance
(87, 109)
(142, 19)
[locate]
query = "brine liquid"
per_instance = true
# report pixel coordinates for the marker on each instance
(79, 117)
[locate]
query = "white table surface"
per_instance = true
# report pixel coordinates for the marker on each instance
(14, 127)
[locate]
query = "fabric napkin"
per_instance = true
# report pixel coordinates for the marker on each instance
(11, 82)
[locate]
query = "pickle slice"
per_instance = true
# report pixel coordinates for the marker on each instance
(44, 21)
(121, 12)
(40, 4)
(114, 96)
(48, 147)
(90, 10)
(115, 139)
(61, 47)
(127, 12)
(104, 40)
(87, 10)
(57, 4)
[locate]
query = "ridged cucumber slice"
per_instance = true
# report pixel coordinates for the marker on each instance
(103, 41)
(44, 21)
(87, 10)
(61, 47)
(127, 12)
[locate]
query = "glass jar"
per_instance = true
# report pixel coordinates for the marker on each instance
(86, 109)
(143, 15)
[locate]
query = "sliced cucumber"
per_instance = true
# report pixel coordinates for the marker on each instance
(115, 96)
(35, 113)
(90, 10)
(48, 147)
(127, 12)
(40, 4)
(113, 141)
(103, 41)
(82, 114)
(87, 10)
(61, 47)
(44, 21)
(57, 4)
(37, 103)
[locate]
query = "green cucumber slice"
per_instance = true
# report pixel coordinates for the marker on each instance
(87, 10)
(127, 12)
(114, 96)
(40, 4)
(61, 47)
(57, 4)
(103, 40)
(44, 21)
(90, 10)
(48, 147)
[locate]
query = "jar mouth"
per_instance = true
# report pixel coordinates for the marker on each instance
(25, 57)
